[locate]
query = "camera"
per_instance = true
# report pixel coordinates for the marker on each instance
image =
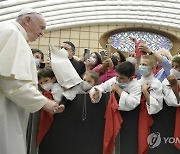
(86, 54)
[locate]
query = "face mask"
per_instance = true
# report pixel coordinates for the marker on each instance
(143, 70)
(92, 60)
(86, 86)
(37, 62)
(47, 86)
(175, 73)
(132, 60)
(121, 85)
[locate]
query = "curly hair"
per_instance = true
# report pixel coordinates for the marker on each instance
(176, 59)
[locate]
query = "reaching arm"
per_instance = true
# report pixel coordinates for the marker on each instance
(25, 95)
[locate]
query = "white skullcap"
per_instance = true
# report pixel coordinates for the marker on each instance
(27, 11)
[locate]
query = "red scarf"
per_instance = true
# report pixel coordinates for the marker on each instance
(157, 70)
(112, 125)
(177, 127)
(145, 122)
(46, 120)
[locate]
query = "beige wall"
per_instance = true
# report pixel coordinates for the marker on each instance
(85, 37)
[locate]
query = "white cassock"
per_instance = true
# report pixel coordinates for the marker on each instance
(130, 97)
(169, 96)
(156, 95)
(18, 93)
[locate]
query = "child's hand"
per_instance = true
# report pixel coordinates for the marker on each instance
(145, 87)
(172, 80)
(114, 87)
(95, 96)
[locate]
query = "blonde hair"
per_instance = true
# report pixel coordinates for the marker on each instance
(165, 53)
(151, 59)
(94, 75)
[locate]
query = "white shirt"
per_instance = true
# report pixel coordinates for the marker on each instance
(156, 95)
(130, 97)
(169, 96)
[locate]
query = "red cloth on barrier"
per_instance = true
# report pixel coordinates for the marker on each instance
(112, 125)
(46, 120)
(177, 126)
(145, 122)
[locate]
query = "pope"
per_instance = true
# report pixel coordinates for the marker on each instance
(18, 80)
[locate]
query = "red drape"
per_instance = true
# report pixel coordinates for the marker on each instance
(46, 120)
(145, 122)
(177, 126)
(112, 125)
(157, 70)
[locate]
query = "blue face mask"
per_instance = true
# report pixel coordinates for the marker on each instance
(121, 85)
(143, 70)
(37, 62)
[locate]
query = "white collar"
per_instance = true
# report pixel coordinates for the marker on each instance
(22, 30)
(145, 79)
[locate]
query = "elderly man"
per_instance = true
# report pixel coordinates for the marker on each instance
(18, 80)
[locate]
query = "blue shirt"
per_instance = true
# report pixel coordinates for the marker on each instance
(165, 71)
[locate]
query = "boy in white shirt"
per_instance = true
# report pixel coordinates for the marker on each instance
(123, 84)
(47, 83)
(151, 87)
(151, 100)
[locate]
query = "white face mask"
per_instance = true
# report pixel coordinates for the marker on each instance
(92, 60)
(47, 86)
(132, 60)
(175, 73)
(86, 86)
(37, 62)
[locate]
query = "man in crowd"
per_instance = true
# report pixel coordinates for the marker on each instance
(78, 65)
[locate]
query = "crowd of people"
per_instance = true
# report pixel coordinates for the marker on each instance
(150, 73)
(153, 75)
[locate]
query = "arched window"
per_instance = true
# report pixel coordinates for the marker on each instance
(122, 42)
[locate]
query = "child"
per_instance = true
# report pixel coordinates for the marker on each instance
(151, 87)
(48, 85)
(39, 58)
(171, 91)
(171, 84)
(163, 57)
(151, 100)
(52, 90)
(123, 84)
(90, 79)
